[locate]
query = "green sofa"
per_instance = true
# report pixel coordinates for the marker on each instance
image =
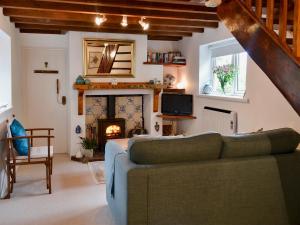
(209, 179)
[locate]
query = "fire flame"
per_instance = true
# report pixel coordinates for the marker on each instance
(112, 130)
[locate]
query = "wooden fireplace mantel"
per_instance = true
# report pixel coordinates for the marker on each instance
(157, 88)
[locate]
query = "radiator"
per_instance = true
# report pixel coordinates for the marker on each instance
(219, 120)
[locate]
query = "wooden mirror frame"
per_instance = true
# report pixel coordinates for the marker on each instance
(95, 72)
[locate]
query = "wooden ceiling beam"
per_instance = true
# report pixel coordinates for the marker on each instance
(164, 38)
(88, 9)
(105, 25)
(137, 4)
(100, 29)
(80, 17)
(36, 31)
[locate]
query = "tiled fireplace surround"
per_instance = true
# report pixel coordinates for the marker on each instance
(106, 115)
(129, 108)
(128, 104)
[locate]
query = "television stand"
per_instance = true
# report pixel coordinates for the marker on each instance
(176, 117)
(171, 128)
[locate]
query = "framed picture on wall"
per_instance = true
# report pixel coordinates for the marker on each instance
(108, 58)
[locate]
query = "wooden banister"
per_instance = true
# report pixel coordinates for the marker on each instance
(270, 14)
(283, 12)
(264, 46)
(296, 30)
(258, 8)
(248, 3)
(277, 13)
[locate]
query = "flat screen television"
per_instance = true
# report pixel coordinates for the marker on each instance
(177, 104)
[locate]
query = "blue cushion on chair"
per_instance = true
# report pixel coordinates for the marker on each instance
(21, 145)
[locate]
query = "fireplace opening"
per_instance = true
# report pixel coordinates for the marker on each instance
(111, 128)
(113, 131)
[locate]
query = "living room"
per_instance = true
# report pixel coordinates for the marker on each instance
(162, 100)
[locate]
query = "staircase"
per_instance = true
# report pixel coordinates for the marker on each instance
(269, 31)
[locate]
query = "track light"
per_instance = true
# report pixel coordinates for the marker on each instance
(100, 19)
(143, 24)
(124, 22)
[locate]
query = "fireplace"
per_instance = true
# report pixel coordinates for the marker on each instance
(111, 128)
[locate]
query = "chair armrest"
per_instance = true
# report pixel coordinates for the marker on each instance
(38, 129)
(29, 137)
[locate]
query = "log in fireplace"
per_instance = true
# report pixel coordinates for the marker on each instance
(110, 128)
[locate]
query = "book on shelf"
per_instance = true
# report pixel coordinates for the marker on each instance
(165, 57)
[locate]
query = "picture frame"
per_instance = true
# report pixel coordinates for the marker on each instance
(108, 58)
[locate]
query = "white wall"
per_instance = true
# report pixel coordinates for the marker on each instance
(163, 46)
(267, 108)
(16, 84)
(143, 73)
(16, 79)
(73, 43)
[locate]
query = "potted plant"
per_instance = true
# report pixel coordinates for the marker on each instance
(88, 145)
(225, 75)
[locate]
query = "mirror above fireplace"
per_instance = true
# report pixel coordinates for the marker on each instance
(109, 58)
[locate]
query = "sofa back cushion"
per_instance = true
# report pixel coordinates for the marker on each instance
(195, 148)
(279, 141)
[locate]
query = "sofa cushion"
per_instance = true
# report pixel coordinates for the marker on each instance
(246, 145)
(279, 141)
(195, 148)
(284, 140)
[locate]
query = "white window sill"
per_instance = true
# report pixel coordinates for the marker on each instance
(225, 98)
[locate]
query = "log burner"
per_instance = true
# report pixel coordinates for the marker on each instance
(110, 128)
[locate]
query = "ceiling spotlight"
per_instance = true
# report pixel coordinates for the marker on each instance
(124, 22)
(144, 24)
(100, 19)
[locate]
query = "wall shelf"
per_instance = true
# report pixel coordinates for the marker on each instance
(174, 117)
(165, 64)
(174, 90)
(81, 88)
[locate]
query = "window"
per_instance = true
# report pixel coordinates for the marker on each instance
(236, 86)
(5, 71)
(223, 69)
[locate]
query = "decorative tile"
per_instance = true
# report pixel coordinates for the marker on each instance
(131, 109)
(96, 108)
(128, 107)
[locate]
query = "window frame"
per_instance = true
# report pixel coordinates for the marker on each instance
(235, 91)
(6, 76)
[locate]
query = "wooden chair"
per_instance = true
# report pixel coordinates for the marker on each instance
(36, 155)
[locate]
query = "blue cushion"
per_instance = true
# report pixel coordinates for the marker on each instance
(21, 145)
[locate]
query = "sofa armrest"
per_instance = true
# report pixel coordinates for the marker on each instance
(127, 204)
(112, 149)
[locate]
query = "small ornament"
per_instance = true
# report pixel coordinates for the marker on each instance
(87, 81)
(207, 89)
(114, 82)
(80, 80)
(78, 130)
(169, 80)
(156, 126)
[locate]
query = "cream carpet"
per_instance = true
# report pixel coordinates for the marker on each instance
(76, 198)
(97, 171)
